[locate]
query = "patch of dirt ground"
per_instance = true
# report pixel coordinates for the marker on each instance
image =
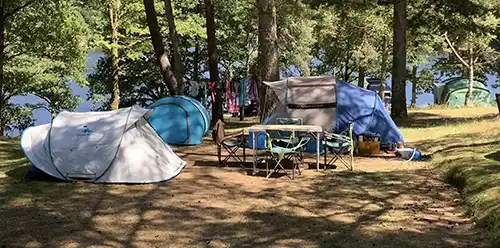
(380, 204)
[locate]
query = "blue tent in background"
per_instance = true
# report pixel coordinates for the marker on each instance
(180, 120)
(365, 108)
(352, 104)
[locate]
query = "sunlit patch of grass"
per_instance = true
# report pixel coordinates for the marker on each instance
(481, 127)
(11, 156)
(475, 170)
(455, 112)
(468, 153)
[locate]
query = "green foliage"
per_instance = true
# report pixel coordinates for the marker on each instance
(45, 44)
(141, 82)
(424, 39)
(136, 63)
(350, 36)
(57, 96)
(237, 36)
(19, 117)
(295, 35)
(469, 25)
(46, 41)
(425, 81)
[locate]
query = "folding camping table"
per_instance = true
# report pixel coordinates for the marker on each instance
(312, 129)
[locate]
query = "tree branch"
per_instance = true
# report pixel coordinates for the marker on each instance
(455, 51)
(140, 41)
(476, 59)
(19, 8)
(8, 97)
(349, 73)
(40, 106)
(46, 99)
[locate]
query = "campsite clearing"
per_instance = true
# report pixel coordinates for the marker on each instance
(380, 204)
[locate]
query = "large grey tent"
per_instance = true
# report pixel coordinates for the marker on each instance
(110, 147)
(313, 99)
(331, 104)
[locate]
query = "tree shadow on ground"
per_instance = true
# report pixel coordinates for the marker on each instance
(471, 163)
(494, 156)
(218, 208)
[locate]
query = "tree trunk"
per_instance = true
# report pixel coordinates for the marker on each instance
(468, 95)
(114, 83)
(53, 115)
(2, 78)
(346, 66)
(196, 62)
(196, 72)
(217, 111)
(381, 89)
(361, 77)
(159, 48)
(398, 109)
(414, 82)
(174, 38)
(268, 52)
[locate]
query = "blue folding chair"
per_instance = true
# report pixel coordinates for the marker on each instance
(290, 151)
(340, 144)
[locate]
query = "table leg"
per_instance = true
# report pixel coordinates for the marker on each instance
(254, 153)
(317, 151)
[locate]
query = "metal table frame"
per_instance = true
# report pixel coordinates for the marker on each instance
(315, 131)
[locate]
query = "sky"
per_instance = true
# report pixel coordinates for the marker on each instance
(43, 116)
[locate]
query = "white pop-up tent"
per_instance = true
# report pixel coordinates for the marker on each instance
(109, 147)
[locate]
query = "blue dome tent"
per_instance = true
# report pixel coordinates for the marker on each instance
(367, 110)
(350, 104)
(179, 120)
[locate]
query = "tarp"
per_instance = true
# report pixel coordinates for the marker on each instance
(112, 146)
(351, 104)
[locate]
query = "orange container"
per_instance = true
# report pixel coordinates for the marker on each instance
(369, 147)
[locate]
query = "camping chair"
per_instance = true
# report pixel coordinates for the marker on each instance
(291, 152)
(340, 144)
(231, 143)
(283, 137)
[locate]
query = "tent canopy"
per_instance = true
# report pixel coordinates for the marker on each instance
(180, 120)
(295, 94)
(332, 104)
(452, 92)
(112, 146)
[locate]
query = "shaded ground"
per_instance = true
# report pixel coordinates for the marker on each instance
(211, 207)
(381, 204)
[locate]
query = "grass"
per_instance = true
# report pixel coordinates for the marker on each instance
(468, 153)
(11, 156)
(408, 206)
